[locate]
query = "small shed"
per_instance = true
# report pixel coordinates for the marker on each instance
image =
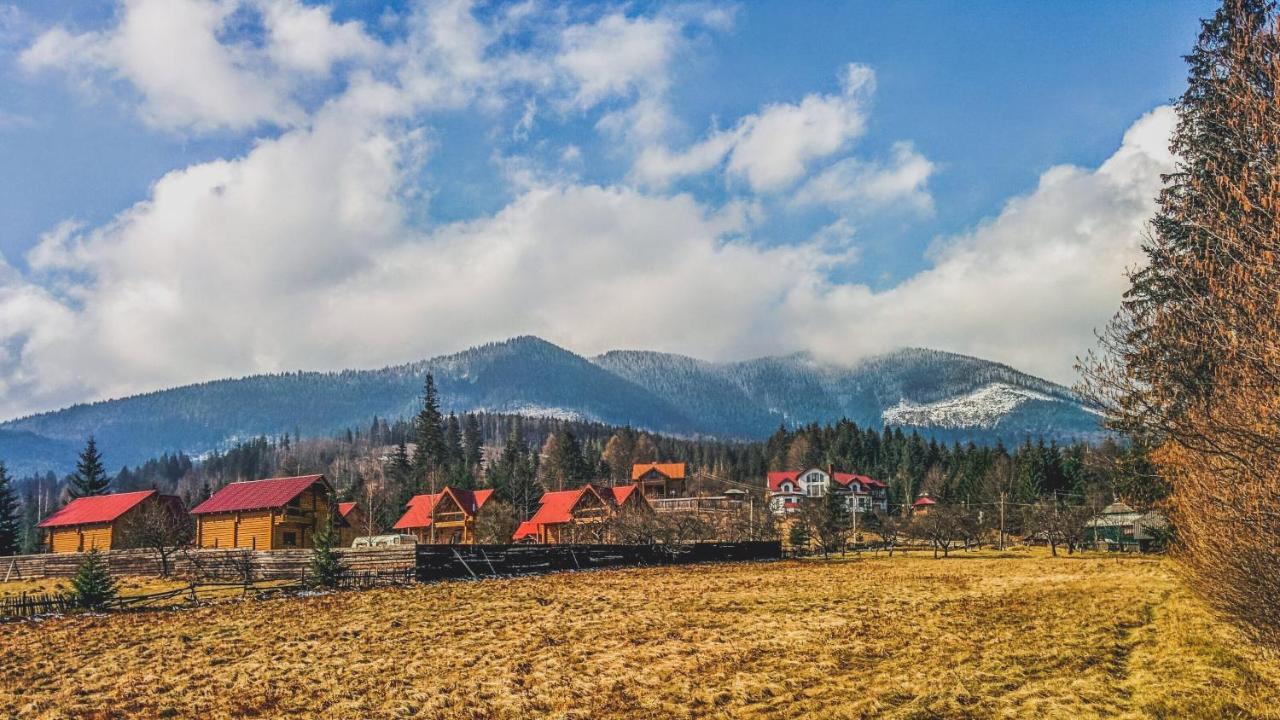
(1121, 527)
(923, 505)
(102, 522)
(269, 514)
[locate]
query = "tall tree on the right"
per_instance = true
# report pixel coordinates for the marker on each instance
(90, 477)
(1190, 366)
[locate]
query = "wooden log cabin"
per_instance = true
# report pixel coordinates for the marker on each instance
(267, 514)
(351, 523)
(573, 516)
(102, 522)
(660, 480)
(447, 517)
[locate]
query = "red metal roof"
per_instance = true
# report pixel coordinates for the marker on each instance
(528, 528)
(672, 471)
(557, 507)
(924, 500)
(420, 508)
(775, 479)
(418, 514)
(95, 509)
(257, 494)
(345, 508)
(620, 494)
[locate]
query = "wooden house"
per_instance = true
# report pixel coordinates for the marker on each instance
(659, 480)
(573, 516)
(351, 522)
(264, 514)
(1120, 527)
(102, 522)
(923, 505)
(446, 517)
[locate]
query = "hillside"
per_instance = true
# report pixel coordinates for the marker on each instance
(942, 394)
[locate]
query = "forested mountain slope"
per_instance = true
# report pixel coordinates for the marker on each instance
(943, 394)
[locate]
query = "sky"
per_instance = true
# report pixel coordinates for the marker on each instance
(195, 189)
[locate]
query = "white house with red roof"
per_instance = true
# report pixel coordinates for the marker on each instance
(789, 488)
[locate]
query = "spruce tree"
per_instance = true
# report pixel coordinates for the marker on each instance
(326, 567)
(836, 522)
(90, 477)
(429, 456)
(92, 584)
(10, 533)
(473, 440)
(453, 452)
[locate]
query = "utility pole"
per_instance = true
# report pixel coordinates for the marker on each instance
(1002, 495)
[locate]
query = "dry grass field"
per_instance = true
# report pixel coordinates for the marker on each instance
(976, 635)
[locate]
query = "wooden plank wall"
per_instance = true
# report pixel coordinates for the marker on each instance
(223, 564)
(433, 562)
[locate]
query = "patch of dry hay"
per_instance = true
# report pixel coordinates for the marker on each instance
(972, 636)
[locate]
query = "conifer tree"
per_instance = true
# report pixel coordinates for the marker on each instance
(9, 530)
(92, 584)
(453, 452)
(473, 441)
(429, 456)
(326, 567)
(836, 522)
(514, 477)
(90, 477)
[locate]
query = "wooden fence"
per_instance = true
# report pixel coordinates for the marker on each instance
(225, 564)
(443, 562)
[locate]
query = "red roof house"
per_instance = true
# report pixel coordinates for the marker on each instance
(568, 516)
(103, 522)
(922, 504)
(447, 517)
(266, 514)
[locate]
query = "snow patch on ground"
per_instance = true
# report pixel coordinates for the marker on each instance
(540, 411)
(982, 408)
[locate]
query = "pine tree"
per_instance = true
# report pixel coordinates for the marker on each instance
(92, 584)
(429, 456)
(326, 567)
(836, 522)
(514, 477)
(454, 454)
(10, 533)
(90, 477)
(473, 440)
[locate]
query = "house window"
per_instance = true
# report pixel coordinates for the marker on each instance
(291, 539)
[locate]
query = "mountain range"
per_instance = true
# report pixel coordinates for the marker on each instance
(941, 394)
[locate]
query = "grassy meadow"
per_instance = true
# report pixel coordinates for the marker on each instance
(976, 635)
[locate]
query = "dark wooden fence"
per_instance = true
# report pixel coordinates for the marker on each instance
(444, 562)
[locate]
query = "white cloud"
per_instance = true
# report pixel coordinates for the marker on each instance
(301, 254)
(173, 53)
(1027, 287)
(773, 148)
(855, 185)
(306, 38)
(616, 55)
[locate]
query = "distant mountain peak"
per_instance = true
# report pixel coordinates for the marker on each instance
(942, 394)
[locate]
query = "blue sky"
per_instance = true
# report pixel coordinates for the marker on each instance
(821, 176)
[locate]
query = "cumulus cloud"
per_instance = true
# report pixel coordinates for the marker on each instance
(173, 52)
(855, 185)
(773, 148)
(1026, 287)
(303, 252)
